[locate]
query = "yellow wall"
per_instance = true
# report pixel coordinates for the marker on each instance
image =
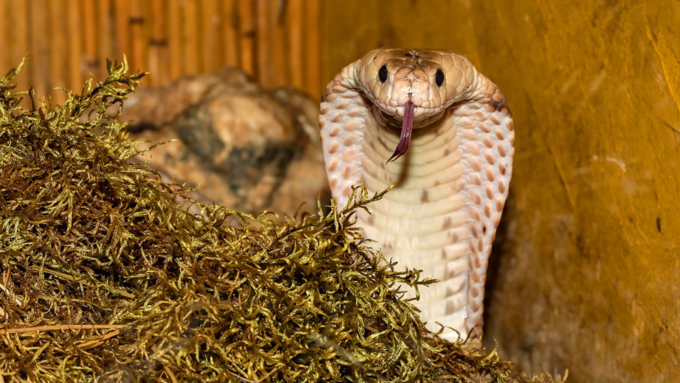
(588, 261)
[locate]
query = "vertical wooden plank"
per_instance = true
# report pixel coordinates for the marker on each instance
(38, 32)
(277, 67)
(105, 30)
(262, 42)
(295, 23)
(58, 42)
(312, 48)
(191, 37)
(139, 61)
(20, 43)
(90, 37)
(175, 39)
(122, 35)
(212, 46)
(158, 46)
(247, 36)
(74, 52)
(6, 53)
(231, 33)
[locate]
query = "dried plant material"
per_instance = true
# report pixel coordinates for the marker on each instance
(107, 278)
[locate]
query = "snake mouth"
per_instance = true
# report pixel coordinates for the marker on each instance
(406, 132)
(390, 115)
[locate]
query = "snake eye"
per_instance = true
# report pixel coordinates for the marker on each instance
(439, 77)
(382, 74)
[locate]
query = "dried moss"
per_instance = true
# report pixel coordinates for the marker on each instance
(106, 277)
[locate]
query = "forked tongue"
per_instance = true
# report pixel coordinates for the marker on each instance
(406, 129)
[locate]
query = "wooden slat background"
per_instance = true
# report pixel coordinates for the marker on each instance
(276, 41)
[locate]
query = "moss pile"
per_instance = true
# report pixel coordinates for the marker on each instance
(104, 276)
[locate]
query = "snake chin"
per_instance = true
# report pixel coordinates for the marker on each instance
(395, 120)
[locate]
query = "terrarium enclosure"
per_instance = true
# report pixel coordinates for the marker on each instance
(585, 267)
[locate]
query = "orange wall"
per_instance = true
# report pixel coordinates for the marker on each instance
(586, 272)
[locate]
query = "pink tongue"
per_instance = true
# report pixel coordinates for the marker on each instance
(406, 129)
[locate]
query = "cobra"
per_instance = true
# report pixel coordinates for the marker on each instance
(430, 123)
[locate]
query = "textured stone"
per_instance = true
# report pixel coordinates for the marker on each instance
(248, 148)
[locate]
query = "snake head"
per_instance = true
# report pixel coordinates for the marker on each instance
(412, 88)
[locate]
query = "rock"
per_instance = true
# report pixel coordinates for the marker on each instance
(249, 149)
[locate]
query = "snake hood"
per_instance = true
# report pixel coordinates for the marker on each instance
(455, 136)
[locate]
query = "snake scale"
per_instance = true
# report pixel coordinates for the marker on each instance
(429, 122)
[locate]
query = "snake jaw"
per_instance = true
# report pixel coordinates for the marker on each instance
(406, 132)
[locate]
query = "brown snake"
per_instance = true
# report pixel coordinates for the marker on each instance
(429, 122)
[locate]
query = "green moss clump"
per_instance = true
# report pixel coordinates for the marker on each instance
(106, 277)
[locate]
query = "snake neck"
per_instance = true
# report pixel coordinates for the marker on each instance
(423, 222)
(428, 168)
